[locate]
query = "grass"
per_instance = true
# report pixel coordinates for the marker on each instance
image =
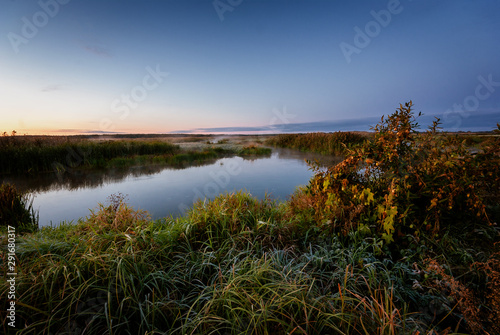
(339, 143)
(16, 210)
(234, 265)
(323, 143)
(230, 266)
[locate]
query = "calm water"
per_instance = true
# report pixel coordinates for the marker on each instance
(166, 191)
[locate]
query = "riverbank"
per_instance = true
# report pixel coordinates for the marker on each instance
(240, 265)
(36, 154)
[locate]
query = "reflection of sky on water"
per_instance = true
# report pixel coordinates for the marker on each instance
(163, 191)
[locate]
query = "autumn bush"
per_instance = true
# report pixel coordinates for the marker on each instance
(404, 185)
(421, 194)
(489, 311)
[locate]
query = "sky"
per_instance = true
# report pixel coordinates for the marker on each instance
(245, 66)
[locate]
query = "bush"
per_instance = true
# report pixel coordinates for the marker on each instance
(404, 185)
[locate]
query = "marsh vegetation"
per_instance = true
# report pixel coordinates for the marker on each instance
(16, 209)
(35, 154)
(401, 237)
(337, 143)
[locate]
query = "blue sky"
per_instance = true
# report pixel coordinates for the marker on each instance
(85, 66)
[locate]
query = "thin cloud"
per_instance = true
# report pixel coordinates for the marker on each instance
(324, 126)
(101, 132)
(52, 88)
(66, 131)
(97, 50)
(84, 131)
(474, 121)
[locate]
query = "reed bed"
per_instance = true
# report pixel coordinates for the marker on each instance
(20, 154)
(323, 143)
(16, 209)
(51, 156)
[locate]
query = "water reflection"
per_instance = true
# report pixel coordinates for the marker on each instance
(322, 160)
(86, 178)
(165, 191)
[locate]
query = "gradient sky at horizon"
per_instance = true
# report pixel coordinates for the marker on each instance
(75, 66)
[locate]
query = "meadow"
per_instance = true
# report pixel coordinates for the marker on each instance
(401, 237)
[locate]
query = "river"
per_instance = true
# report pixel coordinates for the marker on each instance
(164, 191)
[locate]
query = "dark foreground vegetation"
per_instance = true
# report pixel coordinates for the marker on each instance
(16, 209)
(400, 238)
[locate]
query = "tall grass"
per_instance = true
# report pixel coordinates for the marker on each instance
(16, 210)
(45, 156)
(57, 154)
(323, 143)
(234, 265)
